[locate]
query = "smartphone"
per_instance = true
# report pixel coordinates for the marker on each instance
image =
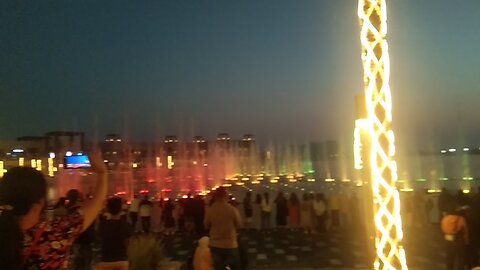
(76, 162)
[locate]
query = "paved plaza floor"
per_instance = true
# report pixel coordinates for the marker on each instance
(293, 249)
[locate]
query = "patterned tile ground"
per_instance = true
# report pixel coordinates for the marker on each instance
(293, 249)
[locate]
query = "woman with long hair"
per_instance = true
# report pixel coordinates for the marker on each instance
(293, 211)
(282, 210)
(27, 242)
(22, 199)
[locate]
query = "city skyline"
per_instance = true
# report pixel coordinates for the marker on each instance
(283, 71)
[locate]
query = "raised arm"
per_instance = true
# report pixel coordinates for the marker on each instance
(92, 208)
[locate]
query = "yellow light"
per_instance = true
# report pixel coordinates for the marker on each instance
(386, 200)
(50, 167)
(466, 191)
(329, 180)
(194, 162)
(245, 179)
(33, 163)
(434, 190)
(134, 165)
(274, 181)
(170, 162)
(39, 165)
(311, 180)
(227, 185)
(240, 184)
(406, 189)
(292, 180)
(158, 162)
(2, 170)
(255, 182)
(21, 161)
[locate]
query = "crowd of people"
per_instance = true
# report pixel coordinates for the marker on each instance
(312, 213)
(64, 237)
(65, 240)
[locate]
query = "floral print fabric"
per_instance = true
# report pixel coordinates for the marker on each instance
(46, 245)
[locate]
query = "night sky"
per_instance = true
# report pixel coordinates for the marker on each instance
(284, 70)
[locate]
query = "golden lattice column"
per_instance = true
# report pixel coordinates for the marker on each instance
(383, 170)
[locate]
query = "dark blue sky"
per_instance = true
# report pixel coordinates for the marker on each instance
(281, 69)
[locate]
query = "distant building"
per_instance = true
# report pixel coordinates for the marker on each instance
(198, 139)
(200, 144)
(223, 137)
(62, 141)
(171, 145)
(223, 141)
(112, 149)
(33, 146)
(248, 141)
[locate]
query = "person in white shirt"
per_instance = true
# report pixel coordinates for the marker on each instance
(266, 207)
(133, 211)
(145, 213)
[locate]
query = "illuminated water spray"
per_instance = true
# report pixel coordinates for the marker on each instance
(386, 201)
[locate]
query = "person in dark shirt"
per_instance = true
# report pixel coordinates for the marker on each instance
(145, 213)
(282, 210)
(82, 255)
(248, 210)
(114, 233)
(167, 217)
(199, 214)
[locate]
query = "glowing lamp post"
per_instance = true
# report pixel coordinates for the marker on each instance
(377, 125)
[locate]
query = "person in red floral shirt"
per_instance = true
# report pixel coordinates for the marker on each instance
(47, 243)
(27, 242)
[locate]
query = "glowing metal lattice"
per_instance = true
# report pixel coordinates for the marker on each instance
(388, 225)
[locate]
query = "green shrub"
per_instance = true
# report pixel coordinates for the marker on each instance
(145, 252)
